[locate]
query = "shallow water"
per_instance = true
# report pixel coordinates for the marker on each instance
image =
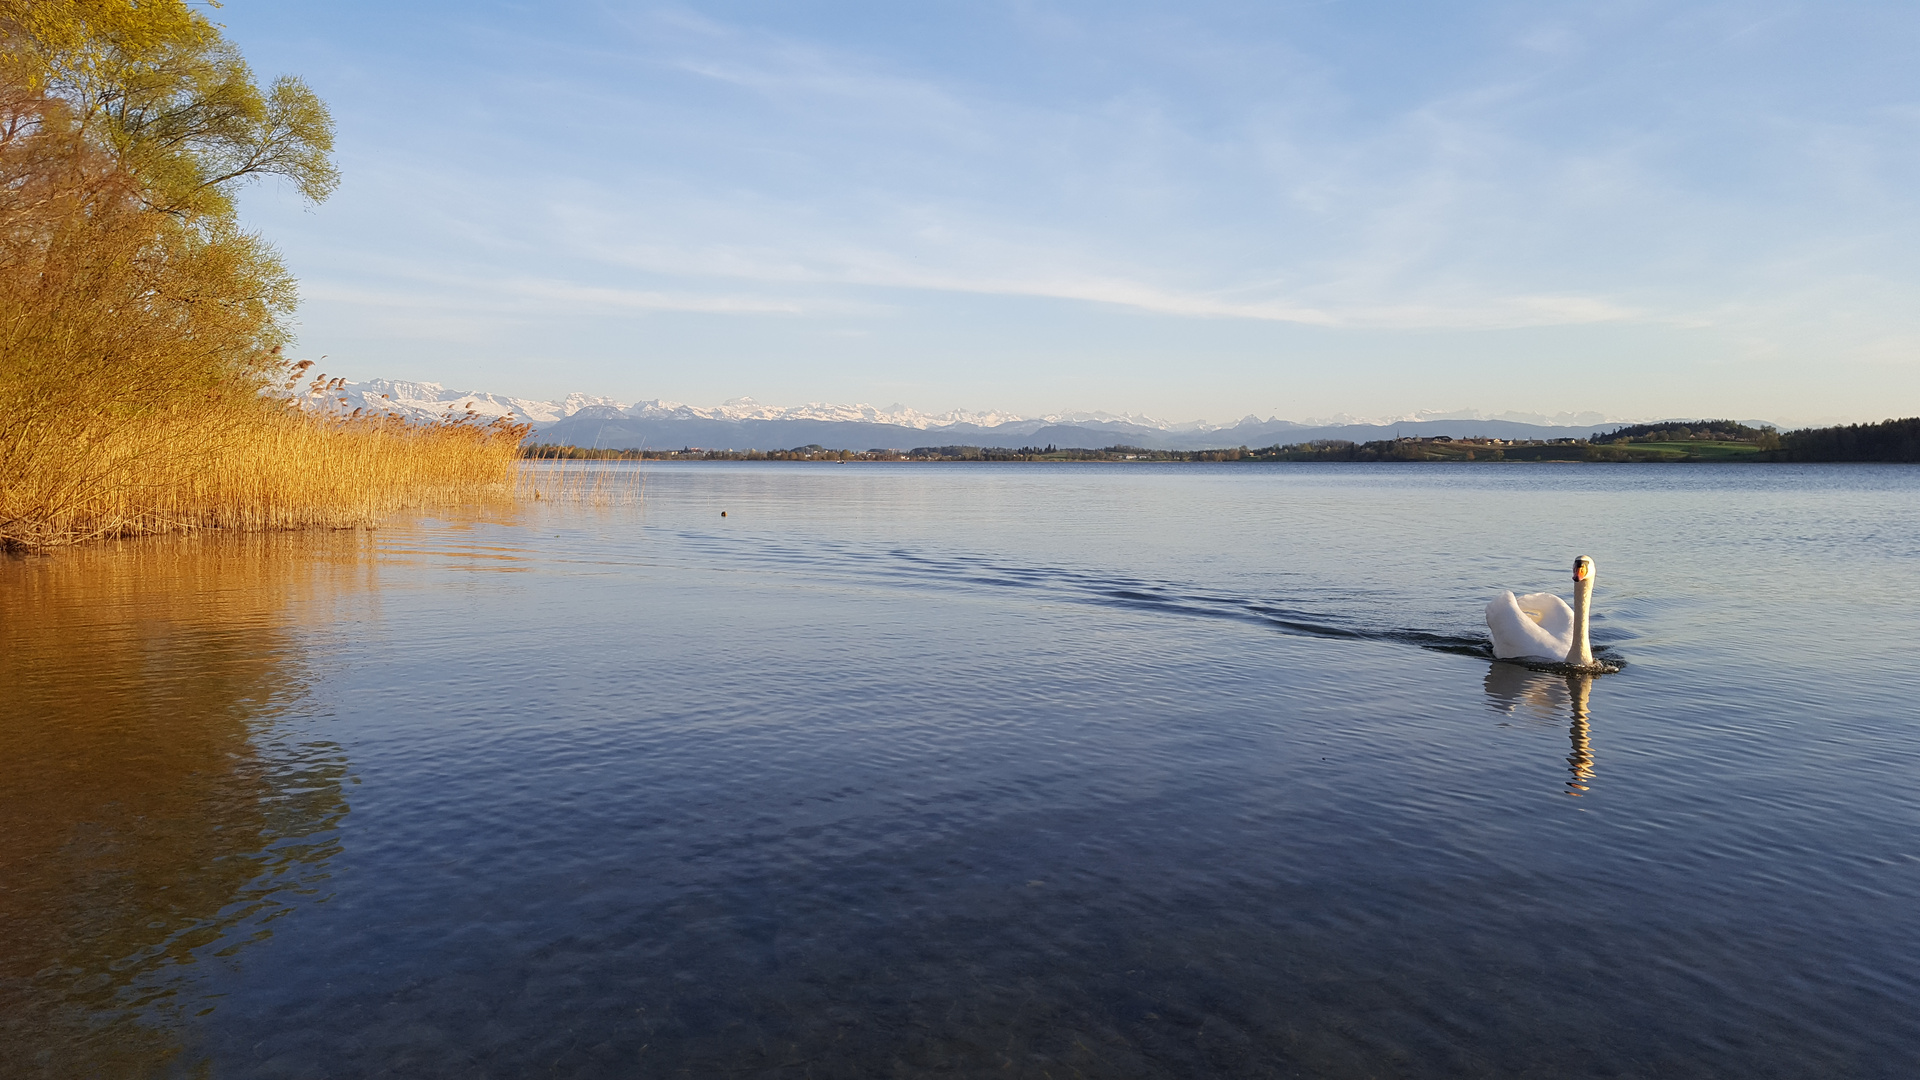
(1033, 770)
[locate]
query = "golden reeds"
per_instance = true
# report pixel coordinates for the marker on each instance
(248, 466)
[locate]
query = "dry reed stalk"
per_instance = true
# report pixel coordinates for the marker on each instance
(585, 482)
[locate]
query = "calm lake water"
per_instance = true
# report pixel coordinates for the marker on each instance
(1021, 770)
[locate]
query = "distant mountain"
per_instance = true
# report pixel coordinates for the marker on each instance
(431, 401)
(601, 426)
(745, 424)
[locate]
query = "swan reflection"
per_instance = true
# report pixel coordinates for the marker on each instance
(1580, 761)
(1514, 690)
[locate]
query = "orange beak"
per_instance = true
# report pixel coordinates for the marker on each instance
(1580, 572)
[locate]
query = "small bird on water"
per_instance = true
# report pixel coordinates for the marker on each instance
(723, 513)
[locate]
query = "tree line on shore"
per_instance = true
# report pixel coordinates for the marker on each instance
(1669, 441)
(1889, 440)
(143, 386)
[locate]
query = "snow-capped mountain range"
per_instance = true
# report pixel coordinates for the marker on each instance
(432, 401)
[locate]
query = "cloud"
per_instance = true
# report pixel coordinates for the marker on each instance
(874, 178)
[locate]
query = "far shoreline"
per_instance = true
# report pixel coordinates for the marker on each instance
(1666, 442)
(723, 457)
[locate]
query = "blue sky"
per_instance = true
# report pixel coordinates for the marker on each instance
(1192, 210)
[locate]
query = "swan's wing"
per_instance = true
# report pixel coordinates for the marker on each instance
(1515, 634)
(1552, 614)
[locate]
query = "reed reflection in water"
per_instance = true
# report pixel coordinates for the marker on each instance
(155, 818)
(1515, 690)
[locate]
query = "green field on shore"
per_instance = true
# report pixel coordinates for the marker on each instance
(1696, 451)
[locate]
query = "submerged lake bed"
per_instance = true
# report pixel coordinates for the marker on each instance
(1114, 770)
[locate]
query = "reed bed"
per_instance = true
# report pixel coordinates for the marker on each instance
(251, 466)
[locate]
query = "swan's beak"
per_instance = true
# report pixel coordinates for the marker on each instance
(1580, 571)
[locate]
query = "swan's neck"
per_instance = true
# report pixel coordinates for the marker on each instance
(1580, 654)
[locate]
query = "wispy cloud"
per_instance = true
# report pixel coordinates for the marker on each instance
(1381, 213)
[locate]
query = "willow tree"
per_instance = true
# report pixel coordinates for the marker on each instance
(155, 84)
(130, 297)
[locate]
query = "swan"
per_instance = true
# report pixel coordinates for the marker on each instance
(1541, 627)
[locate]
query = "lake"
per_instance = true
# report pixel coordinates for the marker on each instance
(1030, 770)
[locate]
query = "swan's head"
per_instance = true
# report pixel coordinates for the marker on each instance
(1583, 568)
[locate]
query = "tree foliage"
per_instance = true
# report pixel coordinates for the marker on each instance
(154, 83)
(1692, 431)
(1889, 440)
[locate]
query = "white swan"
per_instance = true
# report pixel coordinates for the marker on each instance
(1541, 627)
